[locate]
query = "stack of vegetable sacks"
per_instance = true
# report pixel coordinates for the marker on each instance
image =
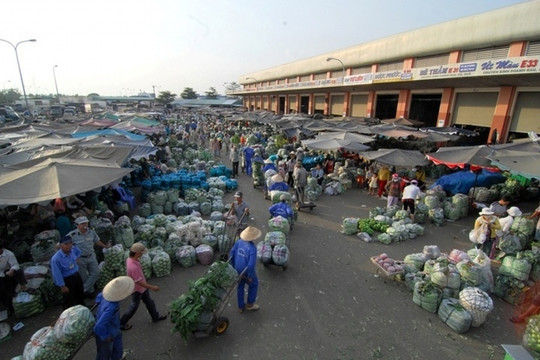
(161, 262)
(279, 223)
(513, 273)
(26, 305)
(273, 249)
(61, 340)
(531, 337)
(44, 245)
(113, 265)
(313, 190)
(192, 312)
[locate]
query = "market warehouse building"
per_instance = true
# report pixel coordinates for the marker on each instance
(481, 71)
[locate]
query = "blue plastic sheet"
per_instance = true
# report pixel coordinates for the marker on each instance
(463, 181)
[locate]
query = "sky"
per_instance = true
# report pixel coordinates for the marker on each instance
(124, 47)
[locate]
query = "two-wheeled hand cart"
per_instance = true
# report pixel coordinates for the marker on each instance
(219, 323)
(300, 203)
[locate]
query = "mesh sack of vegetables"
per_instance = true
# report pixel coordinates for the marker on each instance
(431, 251)
(219, 228)
(275, 196)
(279, 223)
(172, 244)
(480, 258)
(364, 236)
(280, 254)
(428, 266)
(445, 275)
(531, 337)
(509, 243)
(451, 211)
(206, 208)
(436, 216)
(509, 289)
(217, 205)
(173, 195)
(421, 213)
(384, 238)
(157, 209)
(470, 272)
(264, 252)
(400, 215)
(161, 264)
(205, 254)
(104, 229)
(26, 305)
(114, 257)
(416, 260)
(145, 210)
(216, 216)
(146, 263)
(275, 238)
(123, 234)
(210, 240)
(74, 325)
(461, 201)
(522, 226)
(225, 243)
(477, 302)
(44, 345)
(535, 272)
(432, 201)
(454, 315)
(516, 268)
(411, 278)
(50, 292)
(349, 226)
(181, 208)
(137, 221)
(186, 256)
(145, 233)
(457, 255)
(427, 296)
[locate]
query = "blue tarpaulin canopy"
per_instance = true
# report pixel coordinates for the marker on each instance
(463, 181)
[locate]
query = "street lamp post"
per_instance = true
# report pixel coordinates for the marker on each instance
(55, 83)
(19, 66)
(342, 74)
(342, 68)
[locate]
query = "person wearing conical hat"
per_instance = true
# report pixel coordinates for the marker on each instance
(107, 329)
(278, 183)
(487, 225)
(243, 256)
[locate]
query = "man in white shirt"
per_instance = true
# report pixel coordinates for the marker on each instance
(10, 276)
(411, 192)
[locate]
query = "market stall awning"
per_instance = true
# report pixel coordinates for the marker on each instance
(461, 157)
(396, 157)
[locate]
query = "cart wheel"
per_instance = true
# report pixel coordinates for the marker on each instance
(221, 325)
(265, 264)
(284, 267)
(311, 208)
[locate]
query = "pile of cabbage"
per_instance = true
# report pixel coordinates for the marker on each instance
(60, 341)
(454, 285)
(400, 228)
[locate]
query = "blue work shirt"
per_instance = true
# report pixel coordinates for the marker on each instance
(64, 265)
(269, 167)
(243, 256)
(107, 318)
(281, 186)
(281, 209)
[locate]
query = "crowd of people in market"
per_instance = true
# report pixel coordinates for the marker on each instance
(277, 164)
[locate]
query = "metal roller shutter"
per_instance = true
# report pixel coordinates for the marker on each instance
(475, 108)
(336, 107)
(359, 105)
(292, 103)
(526, 115)
(319, 102)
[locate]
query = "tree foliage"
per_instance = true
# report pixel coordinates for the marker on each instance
(189, 93)
(211, 93)
(92, 95)
(232, 86)
(9, 96)
(165, 98)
